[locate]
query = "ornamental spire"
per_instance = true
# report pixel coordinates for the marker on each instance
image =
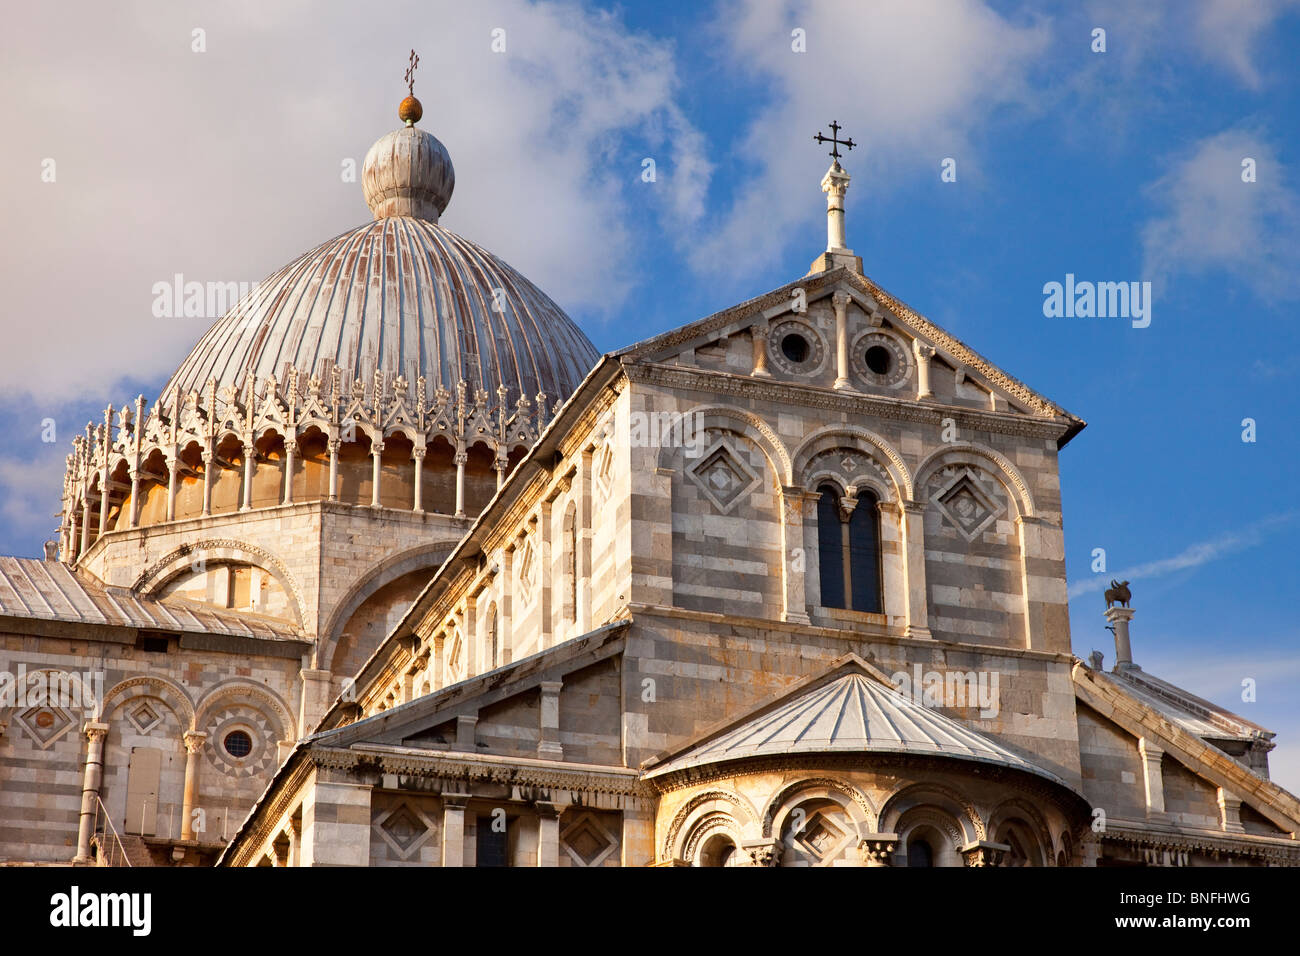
(835, 184)
(410, 110)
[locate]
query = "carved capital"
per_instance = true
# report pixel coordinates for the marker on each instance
(877, 849)
(763, 852)
(95, 731)
(984, 853)
(194, 741)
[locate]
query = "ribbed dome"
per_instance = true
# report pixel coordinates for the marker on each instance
(406, 296)
(408, 173)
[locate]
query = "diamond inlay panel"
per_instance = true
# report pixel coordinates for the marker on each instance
(723, 477)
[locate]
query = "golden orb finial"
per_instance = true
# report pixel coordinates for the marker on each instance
(410, 111)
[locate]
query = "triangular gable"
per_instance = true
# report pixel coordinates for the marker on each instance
(1115, 703)
(416, 718)
(874, 300)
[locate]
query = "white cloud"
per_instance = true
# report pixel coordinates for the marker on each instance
(1210, 219)
(31, 490)
(225, 165)
(1227, 32)
(1224, 33)
(909, 81)
(1191, 557)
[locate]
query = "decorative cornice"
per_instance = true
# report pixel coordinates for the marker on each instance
(716, 382)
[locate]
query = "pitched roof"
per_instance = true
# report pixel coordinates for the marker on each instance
(848, 709)
(1193, 714)
(51, 591)
(657, 346)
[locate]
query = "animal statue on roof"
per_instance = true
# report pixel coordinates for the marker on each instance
(1118, 591)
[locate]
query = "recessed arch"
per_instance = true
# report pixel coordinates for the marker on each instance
(978, 456)
(180, 560)
(860, 439)
(151, 685)
(385, 572)
(238, 690)
(743, 423)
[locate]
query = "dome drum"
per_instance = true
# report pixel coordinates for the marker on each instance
(222, 451)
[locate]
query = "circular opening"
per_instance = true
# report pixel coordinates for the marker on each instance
(238, 744)
(878, 359)
(795, 347)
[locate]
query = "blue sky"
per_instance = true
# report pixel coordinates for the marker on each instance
(1115, 166)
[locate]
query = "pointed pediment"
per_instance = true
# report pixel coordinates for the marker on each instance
(887, 340)
(852, 708)
(1184, 734)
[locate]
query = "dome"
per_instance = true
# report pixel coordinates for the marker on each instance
(400, 295)
(408, 173)
(404, 296)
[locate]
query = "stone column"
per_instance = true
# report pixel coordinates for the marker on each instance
(583, 610)
(250, 459)
(984, 853)
(134, 517)
(418, 455)
(835, 184)
(103, 501)
(453, 828)
(877, 849)
(1230, 811)
(290, 450)
(794, 566)
(1152, 777)
(95, 734)
(840, 300)
(461, 457)
(548, 833)
(847, 506)
(918, 605)
(923, 355)
(500, 465)
(758, 335)
(549, 747)
(466, 737)
(334, 444)
(85, 523)
(209, 461)
(1119, 618)
(544, 574)
(173, 467)
(194, 740)
(376, 453)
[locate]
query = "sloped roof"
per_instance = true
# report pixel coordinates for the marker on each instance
(50, 591)
(847, 710)
(1193, 714)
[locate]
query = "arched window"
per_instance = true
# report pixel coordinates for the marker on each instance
(919, 853)
(848, 550)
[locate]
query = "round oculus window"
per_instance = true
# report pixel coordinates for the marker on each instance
(878, 359)
(881, 360)
(238, 744)
(795, 347)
